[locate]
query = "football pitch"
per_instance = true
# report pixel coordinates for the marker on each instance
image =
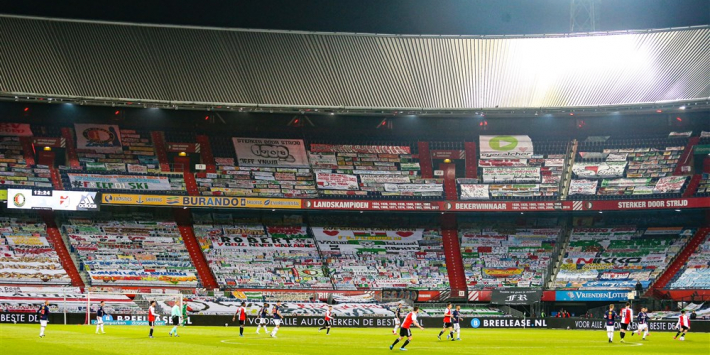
(80, 339)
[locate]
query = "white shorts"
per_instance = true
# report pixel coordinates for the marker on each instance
(277, 322)
(643, 327)
(99, 320)
(397, 322)
(263, 321)
(43, 323)
(457, 327)
(609, 328)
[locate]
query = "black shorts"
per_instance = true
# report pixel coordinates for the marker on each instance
(405, 332)
(176, 320)
(448, 325)
(684, 328)
(624, 326)
(151, 323)
(329, 323)
(242, 322)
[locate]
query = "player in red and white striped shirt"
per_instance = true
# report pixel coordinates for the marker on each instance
(404, 330)
(683, 325)
(627, 316)
(328, 320)
(448, 323)
(242, 313)
(152, 316)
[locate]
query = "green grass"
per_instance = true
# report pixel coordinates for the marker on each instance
(80, 339)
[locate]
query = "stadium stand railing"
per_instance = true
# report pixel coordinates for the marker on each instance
(628, 168)
(27, 254)
(244, 253)
(691, 270)
(131, 249)
(507, 256)
(618, 257)
(536, 178)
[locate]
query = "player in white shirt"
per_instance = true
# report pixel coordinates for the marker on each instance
(683, 325)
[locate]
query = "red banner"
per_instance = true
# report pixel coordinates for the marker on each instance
(15, 129)
(372, 205)
(54, 142)
(492, 206)
(184, 147)
(679, 203)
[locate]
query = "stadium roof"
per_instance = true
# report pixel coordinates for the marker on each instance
(103, 62)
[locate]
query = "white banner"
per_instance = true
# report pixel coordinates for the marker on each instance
(617, 156)
(414, 187)
(264, 243)
(503, 147)
(527, 174)
(583, 187)
(384, 179)
(474, 192)
(99, 138)
(502, 162)
(554, 162)
(271, 152)
(327, 181)
(329, 160)
(59, 200)
(599, 170)
(348, 241)
(120, 182)
(135, 168)
(669, 184)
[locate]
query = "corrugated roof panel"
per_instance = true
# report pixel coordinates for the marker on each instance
(86, 59)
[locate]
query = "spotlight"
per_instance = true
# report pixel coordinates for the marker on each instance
(182, 154)
(47, 149)
(447, 161)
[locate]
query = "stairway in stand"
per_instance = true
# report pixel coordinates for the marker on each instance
(679, 261)
(184, 222)
(452, 251)
(55, 237)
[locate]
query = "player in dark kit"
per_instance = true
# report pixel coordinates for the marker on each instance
(448, 324)
(404, 331)
(397, 318)
(456, 316)
(263, 321)
(100, 318)
(610, 318)
(278, 317)
(328, 320)
(242, 314)
(643, 323)
(43, 312)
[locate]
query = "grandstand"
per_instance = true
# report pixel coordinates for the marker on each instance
(210, 167)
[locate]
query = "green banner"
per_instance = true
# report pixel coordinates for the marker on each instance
(702, 149)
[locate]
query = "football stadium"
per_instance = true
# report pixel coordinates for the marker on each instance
(315, 179)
